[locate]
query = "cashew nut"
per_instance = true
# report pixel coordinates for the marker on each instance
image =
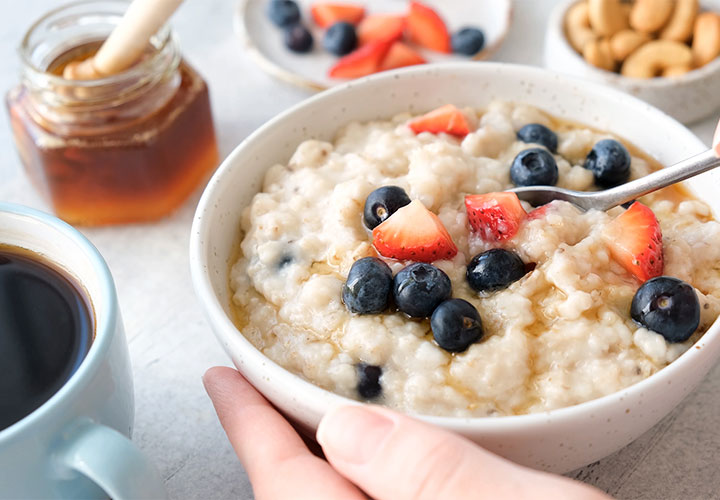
(598, 53)
(650, 15)
(607, 17)
(577, 26)
(626, 8)
(680, 26)
(674, 71)
(623, 43)
(652, 58)
(706, 38)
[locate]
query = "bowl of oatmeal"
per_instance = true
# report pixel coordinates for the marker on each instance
(555, 372)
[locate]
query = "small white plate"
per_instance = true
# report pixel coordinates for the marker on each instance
(264, 41)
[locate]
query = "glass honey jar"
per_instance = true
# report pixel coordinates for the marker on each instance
(124, 148)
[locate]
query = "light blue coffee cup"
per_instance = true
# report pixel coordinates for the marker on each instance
(77, 444)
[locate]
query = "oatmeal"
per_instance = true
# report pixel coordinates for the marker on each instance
(559, 334)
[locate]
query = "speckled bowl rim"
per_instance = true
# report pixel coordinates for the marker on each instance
(298, 80)
(556, 23)
(199, 241)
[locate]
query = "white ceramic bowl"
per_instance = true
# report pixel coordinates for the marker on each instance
(688, 98)
(559, 440)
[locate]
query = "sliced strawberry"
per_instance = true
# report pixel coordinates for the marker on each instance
(539, 212)
(427, 29)
(361, 62)
(327, 14)
(635, 242)
(414, 233)
(380, 28)
(446, 119)
(495, 216)
(399, 56)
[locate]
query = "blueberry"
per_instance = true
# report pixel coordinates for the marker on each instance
(340, 38)
(456, 324)
(534, 167)
(419, 288)
(298, 38)
(368, 285)
(284, 260)
(382, 203)
(536, 133)
(609, 162)
(368, 385)
(468, 41)
(494, 270)
(283, 12)
(668, 306)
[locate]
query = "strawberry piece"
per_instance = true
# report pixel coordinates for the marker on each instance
(495, 216)
(399, 56)
(361, 62)
(635, 242)
(327, 14)
(539, 212)
(414, 233)
(380, 28)
(427, 29)
(446, 119)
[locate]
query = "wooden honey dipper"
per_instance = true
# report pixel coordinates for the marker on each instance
(126, 43)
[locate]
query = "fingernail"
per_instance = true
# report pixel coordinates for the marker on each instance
(353, 434)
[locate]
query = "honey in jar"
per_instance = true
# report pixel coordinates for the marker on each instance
(125, 148)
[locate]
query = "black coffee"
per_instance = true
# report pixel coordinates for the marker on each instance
(46, 329)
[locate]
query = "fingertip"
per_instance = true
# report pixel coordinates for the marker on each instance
(354, 434)
(219, 371)
(213, 376)
(335, 416)
(208, 375)
(327, 420)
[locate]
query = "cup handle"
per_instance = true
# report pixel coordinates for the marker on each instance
(111, 461)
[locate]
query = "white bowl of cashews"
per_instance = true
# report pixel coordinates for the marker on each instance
(665, 52)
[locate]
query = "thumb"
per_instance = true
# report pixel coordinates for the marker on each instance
(394, 457)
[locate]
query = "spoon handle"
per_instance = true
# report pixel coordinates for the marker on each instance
(662, 178)
(605, 200)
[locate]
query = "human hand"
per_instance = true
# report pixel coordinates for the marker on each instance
(369, 449)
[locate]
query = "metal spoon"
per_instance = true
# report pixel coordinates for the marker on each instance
(605, 200)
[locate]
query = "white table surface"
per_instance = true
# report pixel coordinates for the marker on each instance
(171, 344)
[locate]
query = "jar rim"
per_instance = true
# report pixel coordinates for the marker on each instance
(164, 35)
